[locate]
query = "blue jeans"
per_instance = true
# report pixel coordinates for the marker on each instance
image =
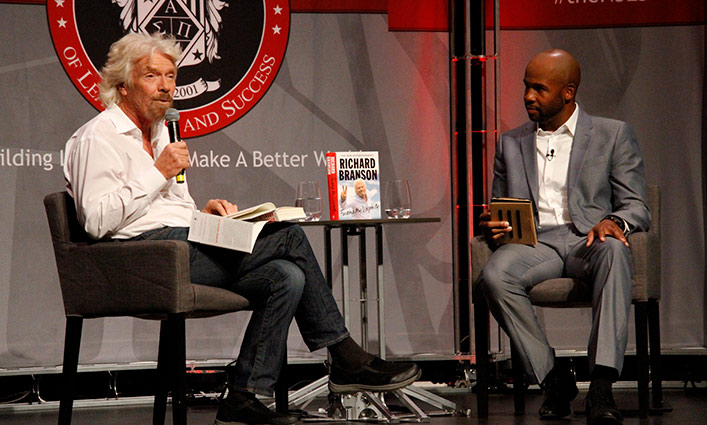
(281, 279)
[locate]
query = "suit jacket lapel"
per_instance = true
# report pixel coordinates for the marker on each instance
(530, 161)
(580, 143)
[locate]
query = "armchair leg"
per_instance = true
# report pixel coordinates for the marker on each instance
(72, 346)
(654, 339)
(281, 402)
(481, 342)
(163, 377)
(642, 357)
(177, 330)
(518, 382)
(171, 371)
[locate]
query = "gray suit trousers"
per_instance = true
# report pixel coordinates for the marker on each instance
(514, 269)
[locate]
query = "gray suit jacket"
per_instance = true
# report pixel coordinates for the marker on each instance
(605, 171)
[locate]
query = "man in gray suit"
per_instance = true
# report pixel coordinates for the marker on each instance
(585, 177)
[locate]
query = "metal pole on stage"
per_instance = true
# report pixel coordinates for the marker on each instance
(477, 92)
(459, 108)
(469, 135)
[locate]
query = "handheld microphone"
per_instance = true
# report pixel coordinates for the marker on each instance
(172, 118)
(550, 156)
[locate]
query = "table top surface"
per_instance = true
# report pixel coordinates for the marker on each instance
(370, 222)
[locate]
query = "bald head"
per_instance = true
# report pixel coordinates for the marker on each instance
(551, 81)
(557, 65)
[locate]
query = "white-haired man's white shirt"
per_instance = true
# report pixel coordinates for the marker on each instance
(117, 190)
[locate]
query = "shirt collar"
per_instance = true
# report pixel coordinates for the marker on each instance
(569, 126)
(123, 123)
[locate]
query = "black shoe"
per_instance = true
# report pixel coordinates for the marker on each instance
(601, 408)
(560, 388)
(376, 375)
(243, 408)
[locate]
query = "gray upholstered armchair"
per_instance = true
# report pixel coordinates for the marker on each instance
(567, 293)
(146, 279)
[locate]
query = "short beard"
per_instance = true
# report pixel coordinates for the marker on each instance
(158, 110)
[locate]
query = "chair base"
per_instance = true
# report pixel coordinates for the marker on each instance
(368, 405)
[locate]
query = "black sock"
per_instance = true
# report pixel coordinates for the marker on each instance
(239, 396)
(562, 365)
(561, 368)
(603, 377)
(349, 355)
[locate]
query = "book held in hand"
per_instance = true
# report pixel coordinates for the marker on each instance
(354, 185)
(240, 230)
(519, 214)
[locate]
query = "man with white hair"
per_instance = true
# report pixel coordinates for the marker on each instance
(120, 169)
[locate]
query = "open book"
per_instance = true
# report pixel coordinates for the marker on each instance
(269, 212)
(238, 231)
(519, 215)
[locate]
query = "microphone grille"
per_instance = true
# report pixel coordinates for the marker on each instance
(171, 115)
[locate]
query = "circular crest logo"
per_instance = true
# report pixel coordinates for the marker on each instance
(232, 49)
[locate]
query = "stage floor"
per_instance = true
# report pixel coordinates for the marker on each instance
(689, 408)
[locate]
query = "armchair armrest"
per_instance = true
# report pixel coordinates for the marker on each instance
(645, 257)
(124, 278)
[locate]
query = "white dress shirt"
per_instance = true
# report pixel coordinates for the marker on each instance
(117, 189)
(553, 155)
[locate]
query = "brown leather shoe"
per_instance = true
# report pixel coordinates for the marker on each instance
(376, 375)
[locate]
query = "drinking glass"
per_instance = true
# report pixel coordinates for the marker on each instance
(309, 197)
(396, 201)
